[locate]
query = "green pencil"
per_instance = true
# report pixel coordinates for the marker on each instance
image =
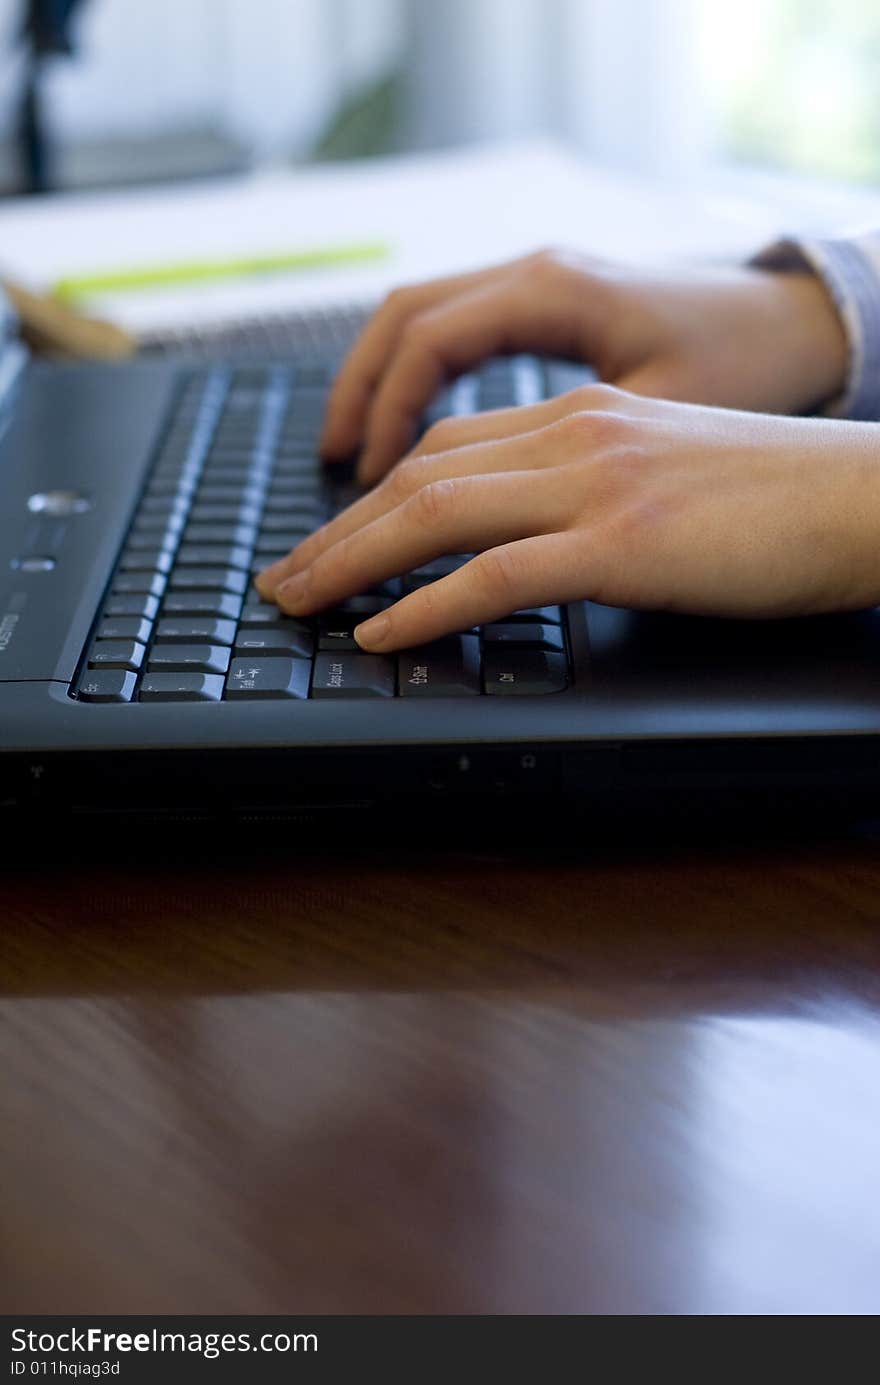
(200, 271)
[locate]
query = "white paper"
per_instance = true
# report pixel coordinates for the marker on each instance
(438, 213)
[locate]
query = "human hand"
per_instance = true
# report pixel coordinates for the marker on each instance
(743, 338)
(606, 495)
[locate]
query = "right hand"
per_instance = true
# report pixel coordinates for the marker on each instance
(742, 338)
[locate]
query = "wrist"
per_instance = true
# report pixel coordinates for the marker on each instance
(852, 459)
(810, 337)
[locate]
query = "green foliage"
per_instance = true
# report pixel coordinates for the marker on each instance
(364, 126)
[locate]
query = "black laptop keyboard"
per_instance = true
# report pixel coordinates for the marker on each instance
(236, 483)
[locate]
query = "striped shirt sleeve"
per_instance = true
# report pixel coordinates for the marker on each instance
(850, 270)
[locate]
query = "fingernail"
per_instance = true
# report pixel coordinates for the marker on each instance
(291, 592)
(372, 632)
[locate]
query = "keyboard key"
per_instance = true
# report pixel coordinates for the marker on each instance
(124, 628)
(261, 678)
(230, 471)
(236, 452)
(107, 685)
(263, 558)
(393, 588)
(202, 603)
(204, 513)
(189, 658)
(145, 606)
(196, 630)
(138, 584)
(181, 687)
(304, 426)
(284, 540)
(243, 534)
(182, 485)
(292, 519)
(364, 606)
(353, 675)
(283, 637)
(296, 462)
(441, 567)
(152, 539)
(547, 615)
(161, 505)
(213, 555)
(447, 668)
(213, 493)
(256, 613)
(341, 494)
(336, 630)
(254, 378)
(423, 576)
(145, 560)
(563, 376)
(125, 654)
(522, 671)
(174, 468)
(284, 488)
(536, 635)
(209, 578)
(152, 529)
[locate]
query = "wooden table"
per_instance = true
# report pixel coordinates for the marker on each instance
(599, 1079)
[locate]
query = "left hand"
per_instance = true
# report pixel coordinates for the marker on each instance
(610, 496)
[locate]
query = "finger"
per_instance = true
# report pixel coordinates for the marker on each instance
(510, 451)
(535, 571)
(448, 516)
(498, 318)
(490, 425)
(494, 425)
(353, 387)
(522, 453)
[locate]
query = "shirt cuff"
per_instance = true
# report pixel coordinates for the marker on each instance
(850, 270)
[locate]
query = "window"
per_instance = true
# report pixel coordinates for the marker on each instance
(793, 84)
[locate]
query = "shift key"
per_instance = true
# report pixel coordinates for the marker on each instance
(447, 668)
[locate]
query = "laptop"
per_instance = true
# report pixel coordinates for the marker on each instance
(140, 673)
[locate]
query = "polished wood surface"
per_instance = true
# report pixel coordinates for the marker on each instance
(605, 1078)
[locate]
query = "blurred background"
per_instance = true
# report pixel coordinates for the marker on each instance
(108, 92)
